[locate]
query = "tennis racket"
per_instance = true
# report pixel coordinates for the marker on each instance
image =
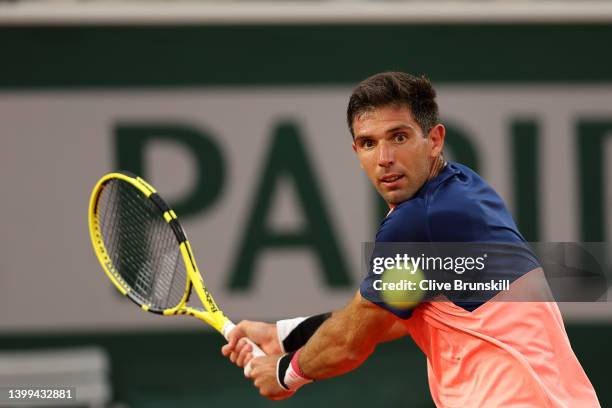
(145, 252)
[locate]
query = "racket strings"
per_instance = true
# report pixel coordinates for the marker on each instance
(141, 245)
(153, 284)
(125, 255)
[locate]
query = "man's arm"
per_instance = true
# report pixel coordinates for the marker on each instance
(347, 338)
(340, 345)
(270, 337)
(398, 330)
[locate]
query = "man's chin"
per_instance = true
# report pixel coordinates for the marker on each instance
(394, 198)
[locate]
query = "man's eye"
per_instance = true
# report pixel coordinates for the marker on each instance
(400, 137)
(367, 144)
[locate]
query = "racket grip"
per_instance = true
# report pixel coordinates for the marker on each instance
(255, 350)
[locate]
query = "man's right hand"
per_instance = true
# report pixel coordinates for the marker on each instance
(262, 334)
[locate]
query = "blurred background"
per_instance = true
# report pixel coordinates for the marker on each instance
(235, 111)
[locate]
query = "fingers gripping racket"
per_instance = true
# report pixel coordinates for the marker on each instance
(145, 253)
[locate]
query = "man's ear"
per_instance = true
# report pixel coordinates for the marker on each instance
(436, 138)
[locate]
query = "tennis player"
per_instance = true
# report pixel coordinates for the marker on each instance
(482, 354)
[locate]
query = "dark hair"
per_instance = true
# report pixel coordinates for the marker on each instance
(399, 89)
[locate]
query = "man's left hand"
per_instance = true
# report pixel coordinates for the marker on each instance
(263, 374)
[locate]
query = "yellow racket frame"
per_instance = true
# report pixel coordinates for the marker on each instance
(212, 315)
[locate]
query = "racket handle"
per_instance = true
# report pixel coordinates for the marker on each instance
(255, 350)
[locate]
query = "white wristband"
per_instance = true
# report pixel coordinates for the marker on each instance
(284, 327)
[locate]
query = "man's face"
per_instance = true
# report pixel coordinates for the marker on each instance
(394, 152)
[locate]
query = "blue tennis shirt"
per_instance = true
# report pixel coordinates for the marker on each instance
(457, 206)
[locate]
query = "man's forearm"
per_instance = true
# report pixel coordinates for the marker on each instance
(345, 340)
(294, 333)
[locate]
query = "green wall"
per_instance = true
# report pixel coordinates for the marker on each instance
(163, 56)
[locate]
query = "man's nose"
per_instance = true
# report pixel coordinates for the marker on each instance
(385, 155)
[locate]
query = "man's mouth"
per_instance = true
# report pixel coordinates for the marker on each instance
(391, 178)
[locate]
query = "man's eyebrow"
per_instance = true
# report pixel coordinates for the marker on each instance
(400, 127)
(362, 137)
(392, 130)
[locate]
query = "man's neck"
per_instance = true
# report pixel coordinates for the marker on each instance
(436, 167)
